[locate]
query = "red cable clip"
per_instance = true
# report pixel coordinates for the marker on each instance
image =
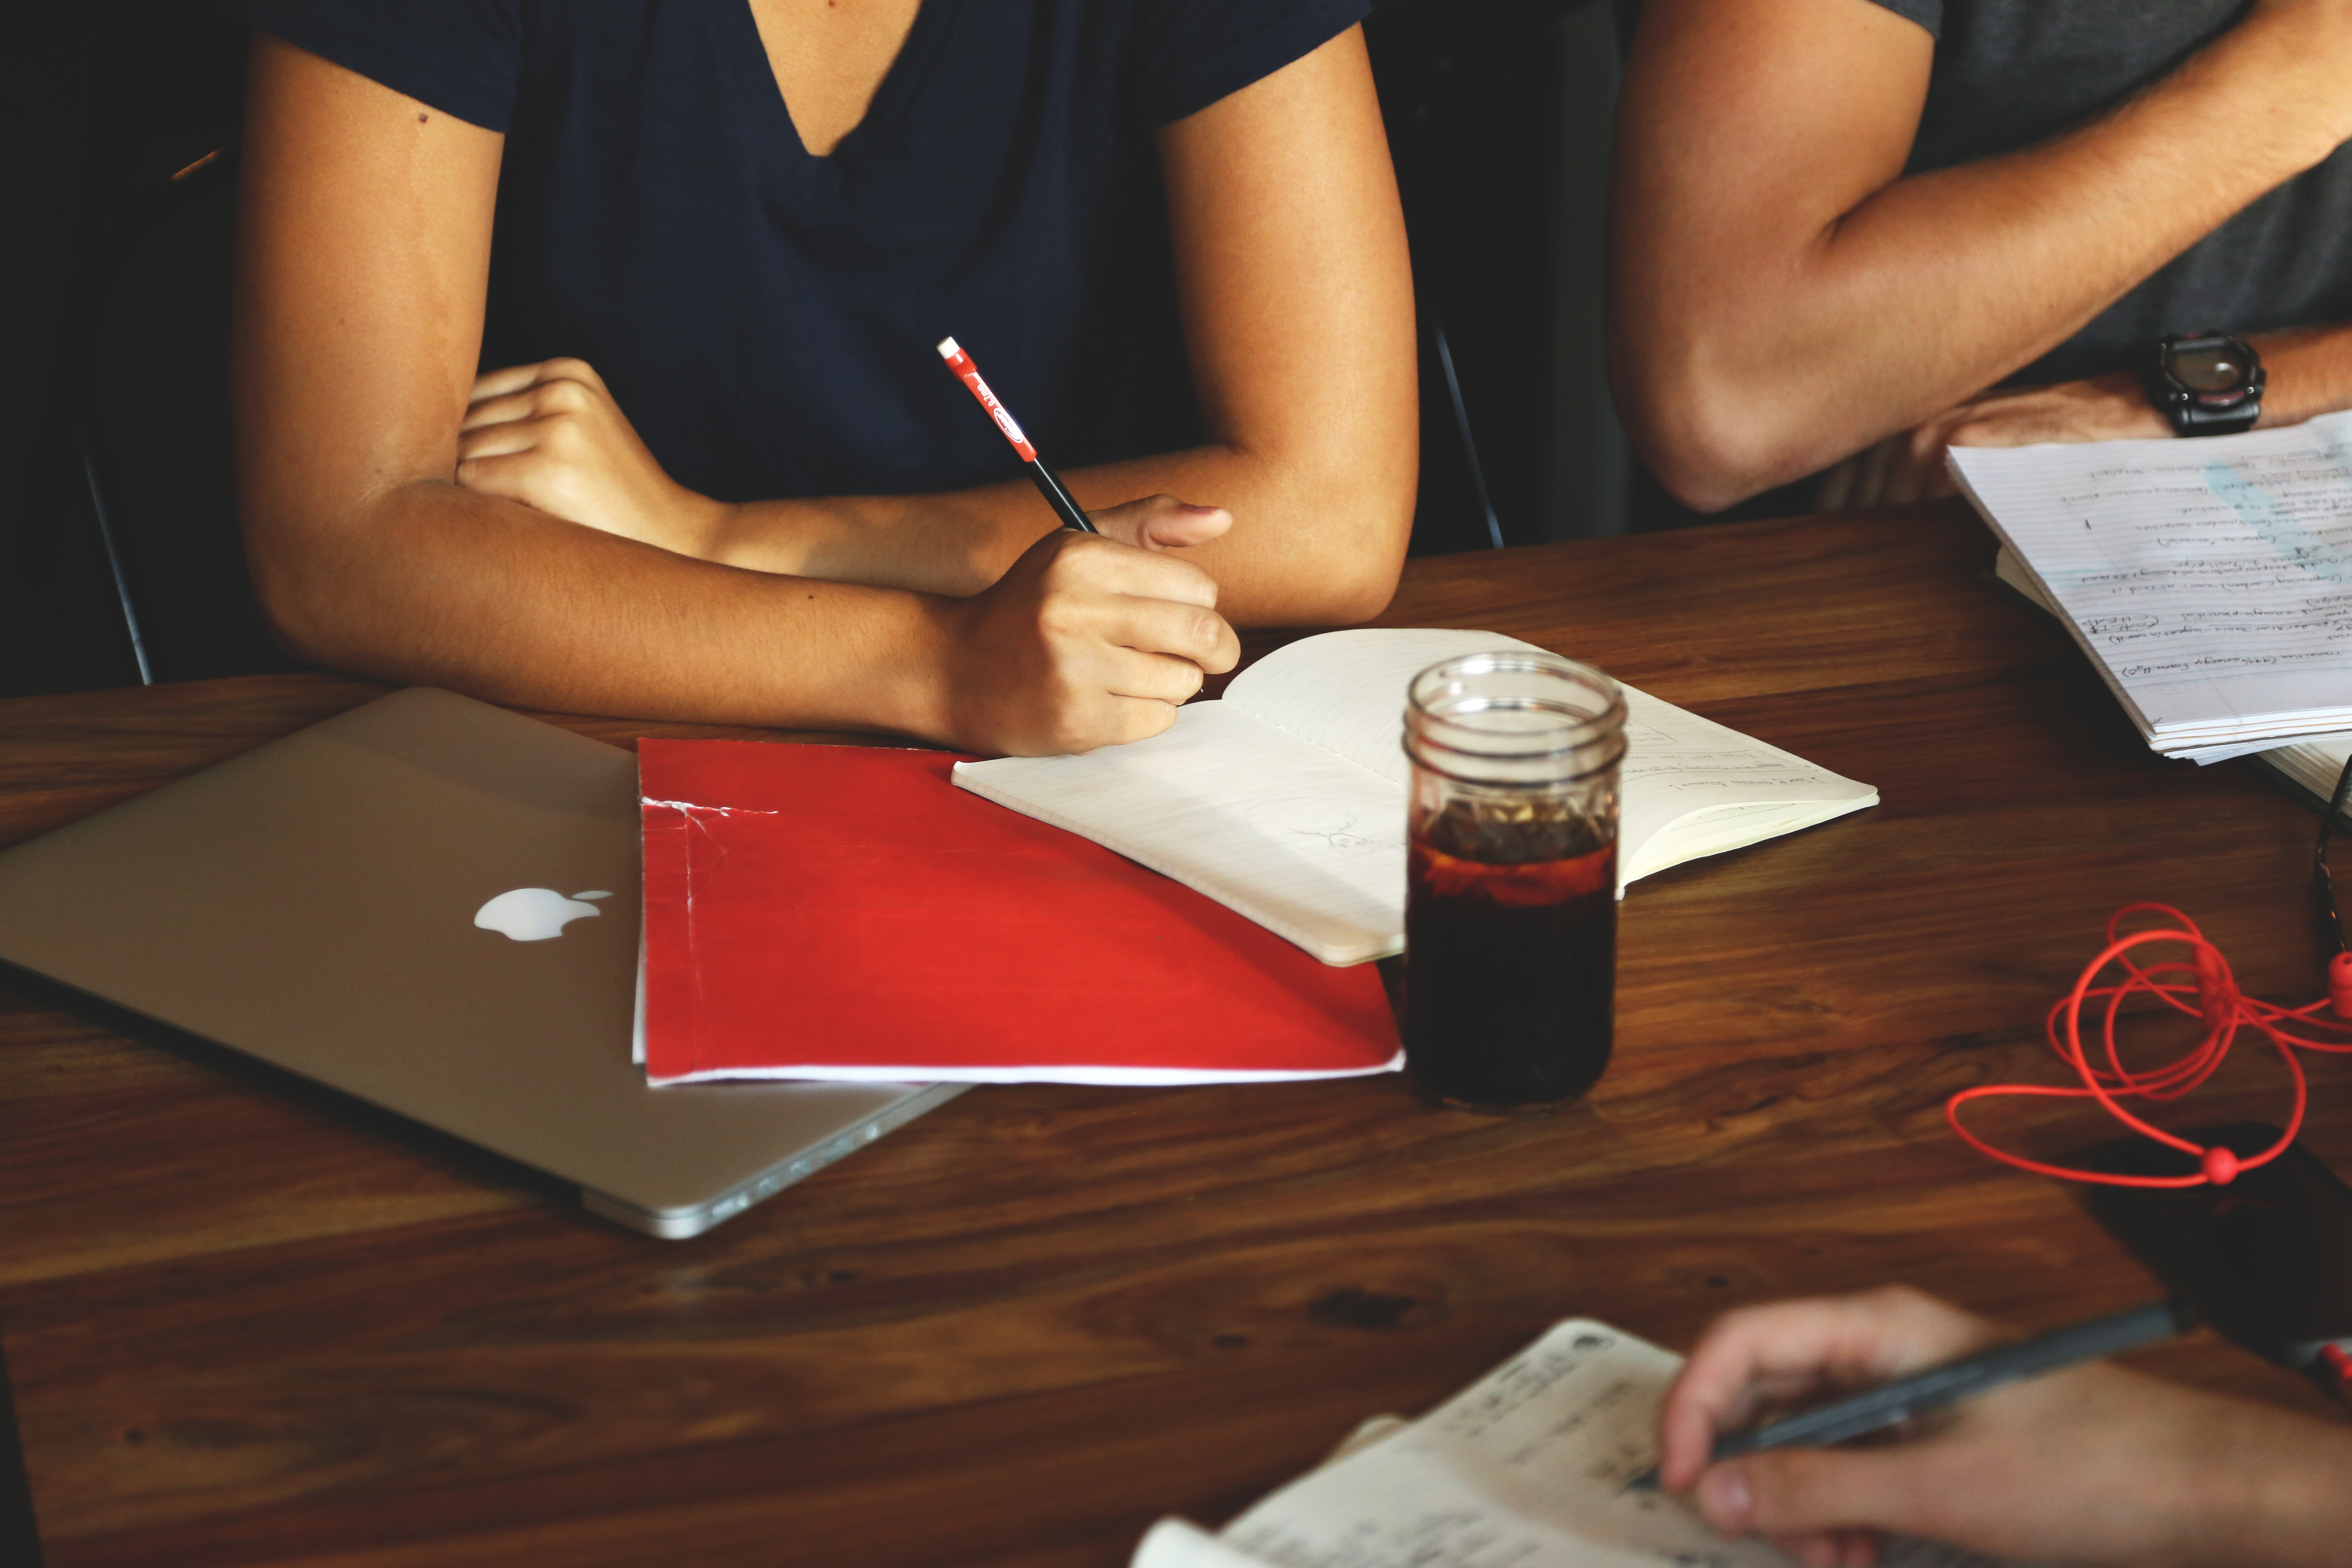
(2340, 1364)
(2339, 984)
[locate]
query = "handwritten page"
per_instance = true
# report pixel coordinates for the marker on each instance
(2209, 580)
(1285, 800)
(2011, 572)
(1693, 787)
(1526, 1468)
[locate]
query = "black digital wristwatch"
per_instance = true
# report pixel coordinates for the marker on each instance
(2206, 384)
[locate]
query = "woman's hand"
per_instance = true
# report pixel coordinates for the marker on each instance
(1088, 641)
(2091, 1466)
(549, 435)
(1909, 465)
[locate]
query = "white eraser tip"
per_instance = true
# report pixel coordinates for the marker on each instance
(948, 349)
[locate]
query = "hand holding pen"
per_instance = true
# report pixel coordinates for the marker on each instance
(2095, 1464)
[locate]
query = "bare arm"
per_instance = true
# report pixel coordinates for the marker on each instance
(1784, 297)
(1302, 353)
(362, 261)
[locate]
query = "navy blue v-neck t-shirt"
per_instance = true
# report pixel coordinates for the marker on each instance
(766, 317)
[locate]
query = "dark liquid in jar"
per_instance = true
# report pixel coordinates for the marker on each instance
(1510, 963)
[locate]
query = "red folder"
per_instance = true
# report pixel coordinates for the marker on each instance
(847, 912)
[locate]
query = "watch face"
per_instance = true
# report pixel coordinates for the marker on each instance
(2207, 366)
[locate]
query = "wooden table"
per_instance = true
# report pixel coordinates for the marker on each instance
(249, 1328)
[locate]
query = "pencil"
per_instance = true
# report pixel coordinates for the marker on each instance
(1941, 1386)
(1040, 475)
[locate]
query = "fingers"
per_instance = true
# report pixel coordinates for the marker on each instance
(515, 377)
(1871, 471)
(1831, 1548)
(1171, 603)
(512, 476)
(1156, 677)
(1918, 461)
(1771, 1355)
(1822, 1500)
(1836, 491)
(498, 440)
(1162, 523)
(539, 400)
(1198, 636)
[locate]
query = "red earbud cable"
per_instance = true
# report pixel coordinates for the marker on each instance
(2201, 988)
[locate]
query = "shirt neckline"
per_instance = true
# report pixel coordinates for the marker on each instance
(895, 96)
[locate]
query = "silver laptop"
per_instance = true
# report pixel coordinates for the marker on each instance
(349, 903)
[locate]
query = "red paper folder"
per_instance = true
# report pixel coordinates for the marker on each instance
(846, 912)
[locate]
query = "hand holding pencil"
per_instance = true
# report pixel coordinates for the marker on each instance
(1084, 641)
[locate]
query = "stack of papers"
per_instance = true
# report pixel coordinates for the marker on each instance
(2311, 753)
(2210, 581)
(1528, 1467)
(2313, 766)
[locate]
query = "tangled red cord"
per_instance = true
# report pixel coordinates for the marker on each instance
(2200, 987)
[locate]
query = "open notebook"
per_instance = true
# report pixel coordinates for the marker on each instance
(1526, 1467)
(1285, 800)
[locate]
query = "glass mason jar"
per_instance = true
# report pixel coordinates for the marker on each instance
(1511, 897)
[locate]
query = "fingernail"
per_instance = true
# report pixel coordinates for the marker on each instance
(1190, 507)
(1722, 1496)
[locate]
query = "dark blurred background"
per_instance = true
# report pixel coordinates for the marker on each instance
(114, 306)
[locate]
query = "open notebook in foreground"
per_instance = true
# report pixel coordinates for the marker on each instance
(1285, 800)
(1526, 1467)
(2210, 581)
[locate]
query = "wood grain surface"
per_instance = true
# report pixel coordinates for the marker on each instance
(250, 1324)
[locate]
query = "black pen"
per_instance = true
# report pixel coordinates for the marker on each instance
(1039, 474)
(1940, 1386)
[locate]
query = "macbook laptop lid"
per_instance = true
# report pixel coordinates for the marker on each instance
(430, 903)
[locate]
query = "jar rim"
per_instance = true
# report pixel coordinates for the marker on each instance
(1575, 728)
(1478, 767)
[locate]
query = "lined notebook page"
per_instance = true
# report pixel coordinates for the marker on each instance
(1305, 842)
(2211, 579)
(1528, 1467)
(1344, 690)
(1693, 787)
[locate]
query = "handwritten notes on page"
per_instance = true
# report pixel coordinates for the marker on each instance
(1286, 801)
(2209, 580)
(1526, 1468)
(1693, 787)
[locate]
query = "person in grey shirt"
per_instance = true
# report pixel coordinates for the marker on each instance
(1847, 232)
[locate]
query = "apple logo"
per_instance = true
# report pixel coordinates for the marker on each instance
(535, 914)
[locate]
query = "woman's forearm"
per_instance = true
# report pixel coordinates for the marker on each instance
(1305, 548)
(432, 583)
